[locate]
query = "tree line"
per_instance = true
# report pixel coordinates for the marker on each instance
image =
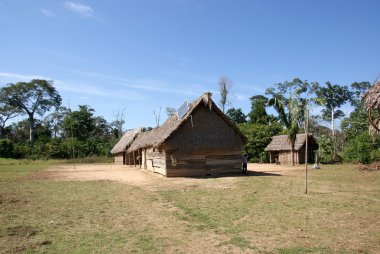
(60, 133)
(355, 141)
(49, 130)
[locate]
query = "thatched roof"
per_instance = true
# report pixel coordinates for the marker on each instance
(372, 103)
(282, 143)
(372, 97)
(125, 141)
(156, 137)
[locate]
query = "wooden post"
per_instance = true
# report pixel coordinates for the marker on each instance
(134, 159)
(129, 159)
(145, 165)
(306, 146)
(140, 155)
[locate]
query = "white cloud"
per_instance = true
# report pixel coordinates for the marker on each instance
(47, 12)
(84, 10)
(93, 90)
(81, 89)
(17, 77)
(152, 85)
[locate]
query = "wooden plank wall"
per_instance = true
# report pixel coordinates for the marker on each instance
(203, 165)
(285, 157)
(119, 158)
(155, 160)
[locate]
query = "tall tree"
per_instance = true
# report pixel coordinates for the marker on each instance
(35, 97)
(54, 121)
(119, 122)
(225, 85)
(333, 97)
(80, 123)
(358, 89)
(289, 99)
(6, 113)
(356, 123)
(258, 113)
(236, 115)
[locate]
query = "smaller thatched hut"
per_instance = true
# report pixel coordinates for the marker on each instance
(119, 150)
(280, 149)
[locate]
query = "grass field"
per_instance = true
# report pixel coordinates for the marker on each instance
(258, 213)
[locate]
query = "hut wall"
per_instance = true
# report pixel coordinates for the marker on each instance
(119, 158)
(285, 157)
(203, 165)
(154, 160)
(205, 132)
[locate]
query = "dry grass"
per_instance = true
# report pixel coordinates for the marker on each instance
(257, 213)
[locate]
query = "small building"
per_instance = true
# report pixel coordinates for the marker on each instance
(119, 150)
(198, 140)
(280, 149)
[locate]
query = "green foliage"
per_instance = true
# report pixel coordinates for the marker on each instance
(357, 91)
(333, 97)
(362, 149)
(258, 113)
(236, 115)
(290, 99)
(6, 148)
(356, 123)
(35, 97)
(259, 136)
(326, 149)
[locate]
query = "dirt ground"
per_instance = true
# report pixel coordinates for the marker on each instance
(139, 177)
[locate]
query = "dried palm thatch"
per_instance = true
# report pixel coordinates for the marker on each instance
(126, 140)
(282, 143)
(372, 103)
(158, 136)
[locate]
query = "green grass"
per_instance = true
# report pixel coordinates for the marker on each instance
(255, 214)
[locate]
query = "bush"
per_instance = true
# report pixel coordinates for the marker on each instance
(325, 149)
(6, 148)
(258, 137)
(362, 149)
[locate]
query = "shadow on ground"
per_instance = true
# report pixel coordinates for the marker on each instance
(248, 174)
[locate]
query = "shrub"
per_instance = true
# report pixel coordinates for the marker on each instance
(325, 149)
(361, 149)
(6, 148)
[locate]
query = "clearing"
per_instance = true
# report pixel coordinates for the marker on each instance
(101, 208)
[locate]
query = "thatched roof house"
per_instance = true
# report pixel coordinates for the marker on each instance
(198, 140)
(280, 149)
(119, 150)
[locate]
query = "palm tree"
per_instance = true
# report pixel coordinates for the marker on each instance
(291, 114)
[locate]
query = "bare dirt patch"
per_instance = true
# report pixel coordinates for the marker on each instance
(375, 166)
(96, 172)
(273, 169)
(123, 173)
(154, 181)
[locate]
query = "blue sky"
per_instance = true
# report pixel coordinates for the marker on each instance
(142, 55)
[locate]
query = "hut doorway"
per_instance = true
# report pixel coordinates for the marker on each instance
(274, 157)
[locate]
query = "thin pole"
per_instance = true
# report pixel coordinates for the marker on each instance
(306, 146)
(72, 135)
